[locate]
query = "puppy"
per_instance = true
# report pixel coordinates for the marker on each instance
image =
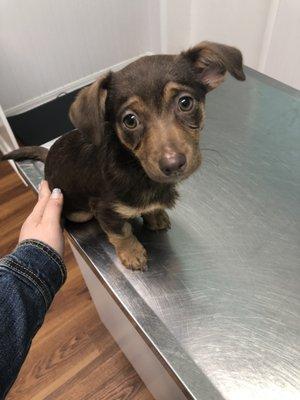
(137, 135)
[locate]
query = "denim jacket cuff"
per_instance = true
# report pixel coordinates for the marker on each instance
(38, 264)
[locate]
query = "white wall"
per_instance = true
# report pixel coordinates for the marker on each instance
(235, 22)
(283, 55)
(267, 31)
(44, 44)
(175, 25)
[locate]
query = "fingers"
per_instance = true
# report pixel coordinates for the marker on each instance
(53, 208)
(44, 195)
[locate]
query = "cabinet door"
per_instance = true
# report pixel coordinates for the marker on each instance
(7, 140)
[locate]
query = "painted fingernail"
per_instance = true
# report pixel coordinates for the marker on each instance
(56, 193)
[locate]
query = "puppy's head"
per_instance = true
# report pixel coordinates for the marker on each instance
(155, 106)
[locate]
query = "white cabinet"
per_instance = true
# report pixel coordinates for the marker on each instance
(7, 139)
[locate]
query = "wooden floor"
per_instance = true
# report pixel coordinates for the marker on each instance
(73, 356)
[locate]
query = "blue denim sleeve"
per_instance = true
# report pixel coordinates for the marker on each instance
(29, 279)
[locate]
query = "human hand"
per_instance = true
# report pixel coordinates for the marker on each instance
(44, 221)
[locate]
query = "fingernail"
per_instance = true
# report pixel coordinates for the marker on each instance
(56, 193)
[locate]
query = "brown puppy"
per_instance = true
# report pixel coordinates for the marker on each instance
(137, 136)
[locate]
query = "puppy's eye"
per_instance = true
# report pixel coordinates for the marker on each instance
(130, 121)
(185, 103)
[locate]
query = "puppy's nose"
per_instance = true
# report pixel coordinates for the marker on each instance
(171, 163)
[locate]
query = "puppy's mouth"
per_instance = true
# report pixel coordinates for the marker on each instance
(172, 177)
(176, 178)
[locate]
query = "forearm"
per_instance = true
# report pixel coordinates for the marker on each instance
(29, 279)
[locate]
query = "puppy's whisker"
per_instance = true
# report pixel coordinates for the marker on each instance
(209, 149)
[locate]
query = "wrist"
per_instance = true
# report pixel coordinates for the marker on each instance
(39, 265)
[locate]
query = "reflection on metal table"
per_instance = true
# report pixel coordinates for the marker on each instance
(219, 307)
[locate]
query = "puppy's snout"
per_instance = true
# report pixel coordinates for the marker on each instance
(172, 163)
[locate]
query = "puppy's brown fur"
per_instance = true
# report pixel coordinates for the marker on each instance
(137, 136)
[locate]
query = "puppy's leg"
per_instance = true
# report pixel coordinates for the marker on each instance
(157, 220)
(129, 250)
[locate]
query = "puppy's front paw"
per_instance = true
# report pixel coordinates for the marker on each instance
(157, 221)
(134, 256)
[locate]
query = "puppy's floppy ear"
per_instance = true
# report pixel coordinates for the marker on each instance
(212, 60)
(87, 113)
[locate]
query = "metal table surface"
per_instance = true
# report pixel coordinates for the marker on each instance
(220, 302)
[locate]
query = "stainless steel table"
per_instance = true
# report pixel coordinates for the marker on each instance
(219, 308)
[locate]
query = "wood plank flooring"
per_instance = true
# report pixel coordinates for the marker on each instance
(73, 356)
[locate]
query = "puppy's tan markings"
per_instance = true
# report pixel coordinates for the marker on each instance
(135, 103)
(79, 216)
(129, 250)
(133, 212)
(172, 88)
(157, 221)
(202, 108)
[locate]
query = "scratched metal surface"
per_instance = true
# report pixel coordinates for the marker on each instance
(220, 302)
